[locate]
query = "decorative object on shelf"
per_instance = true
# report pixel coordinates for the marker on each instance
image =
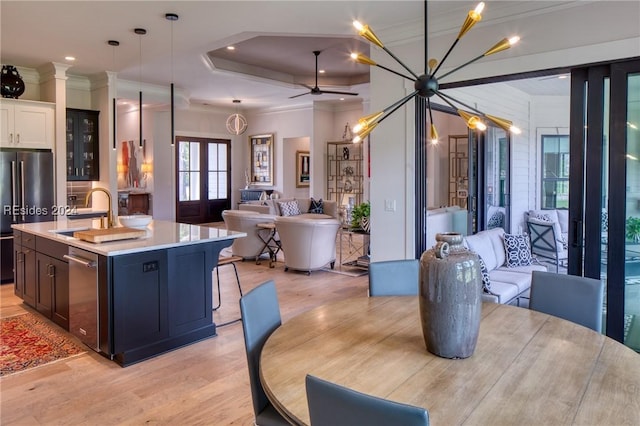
(263, 196)
(315, 90)
(361, 211)
(246, 179)
(303, 176)
(261, 151)
(427, 84)
(345, 153)
(348, 171)
(11, 81)
(450, 297)
(172, 17)
(347, 135)
(348, 186)
(236, 123)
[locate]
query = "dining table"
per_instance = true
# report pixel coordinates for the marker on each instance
(527, 368)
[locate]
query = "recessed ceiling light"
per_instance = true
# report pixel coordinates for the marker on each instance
(321, 71)
(231, 48)
(69, 58)
(563, 76)
(342, 99)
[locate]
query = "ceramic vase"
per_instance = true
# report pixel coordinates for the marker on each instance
(450, 297)
(11, 83)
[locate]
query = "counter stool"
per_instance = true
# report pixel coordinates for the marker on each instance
(226, 260)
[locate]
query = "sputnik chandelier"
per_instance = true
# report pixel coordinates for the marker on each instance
(427, 85)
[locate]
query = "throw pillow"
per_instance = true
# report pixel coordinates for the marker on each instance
(496, 220)
(316, 206)
(289, 208)
(604, 221)
(517, 250)
(486, 281)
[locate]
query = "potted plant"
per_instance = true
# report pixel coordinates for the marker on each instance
(360, 216)
(633, 229)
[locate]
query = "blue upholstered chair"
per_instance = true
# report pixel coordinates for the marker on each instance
(334, 405)
(260, 313)
(394, 278)
(577, 299)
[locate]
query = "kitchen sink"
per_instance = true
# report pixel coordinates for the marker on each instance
(67, 232)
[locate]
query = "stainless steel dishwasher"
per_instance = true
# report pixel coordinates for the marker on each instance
(83, 296)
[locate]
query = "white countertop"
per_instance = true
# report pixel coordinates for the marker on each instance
(160, 234)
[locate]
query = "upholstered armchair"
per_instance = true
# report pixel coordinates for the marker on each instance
(250, 246)
(308, 244)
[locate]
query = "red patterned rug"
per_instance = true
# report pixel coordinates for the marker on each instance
(28, 341)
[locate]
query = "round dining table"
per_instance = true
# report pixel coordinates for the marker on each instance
(527, 368)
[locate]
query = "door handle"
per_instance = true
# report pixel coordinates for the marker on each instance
(14, 191)
(22, 185)
(577, 233)
(51, 270)
(84, 262)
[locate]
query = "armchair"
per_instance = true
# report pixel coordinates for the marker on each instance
(308, 244)
(250, 246)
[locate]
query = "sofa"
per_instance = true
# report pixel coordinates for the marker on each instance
(273, 207)
(507, 284)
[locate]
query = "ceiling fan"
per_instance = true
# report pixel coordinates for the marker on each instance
(316, 90)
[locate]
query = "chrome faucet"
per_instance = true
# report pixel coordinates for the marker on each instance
(109, 213)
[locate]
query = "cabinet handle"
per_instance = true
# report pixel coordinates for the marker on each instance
(10, 137)
(76, 172)
(51, 270)
(17, 137)
(20, 258)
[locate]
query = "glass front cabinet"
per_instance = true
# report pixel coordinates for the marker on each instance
(82, 145)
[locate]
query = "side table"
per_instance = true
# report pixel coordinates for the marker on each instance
(271, 243)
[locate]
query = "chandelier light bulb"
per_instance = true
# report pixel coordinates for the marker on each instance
(474, 16)
(366, 32)
(515, 130)
(513, 40)
(479, 8)
(434, 135)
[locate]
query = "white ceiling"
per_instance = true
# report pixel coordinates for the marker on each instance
(35, 33)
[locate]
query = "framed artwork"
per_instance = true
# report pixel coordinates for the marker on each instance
(302, 169)
(261, 149)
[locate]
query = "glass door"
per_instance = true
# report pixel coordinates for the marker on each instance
(604, 196)
(203, 179)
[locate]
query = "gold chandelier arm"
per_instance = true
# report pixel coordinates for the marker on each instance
(368, 121)
(503, 123)
(503, 44)
(367, 33)
(362, 59)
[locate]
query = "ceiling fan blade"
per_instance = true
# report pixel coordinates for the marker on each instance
(333, 92)
(297, 96)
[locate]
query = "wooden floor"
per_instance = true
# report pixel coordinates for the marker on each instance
(204, 383)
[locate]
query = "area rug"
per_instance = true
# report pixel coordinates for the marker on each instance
(351, 272)
(28, 341)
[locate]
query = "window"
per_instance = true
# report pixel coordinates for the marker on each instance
(555, 171)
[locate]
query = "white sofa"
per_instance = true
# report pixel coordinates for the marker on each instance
(508, 284)
(445, 219)
(271, 207)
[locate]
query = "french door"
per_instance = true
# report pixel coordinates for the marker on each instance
(604, 189)
(203, 179)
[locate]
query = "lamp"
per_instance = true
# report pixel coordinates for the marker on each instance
(236, 123)
(140, 32)
(172, 17)
(427, 84)
(146, 168)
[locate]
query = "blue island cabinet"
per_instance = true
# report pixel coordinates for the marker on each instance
(157, 300)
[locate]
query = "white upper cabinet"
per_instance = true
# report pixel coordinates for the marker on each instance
(26, 124)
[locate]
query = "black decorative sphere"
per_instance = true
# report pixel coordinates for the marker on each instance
(426, 86)
(11, 82)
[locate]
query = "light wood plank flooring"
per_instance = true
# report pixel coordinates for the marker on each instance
(202, 384)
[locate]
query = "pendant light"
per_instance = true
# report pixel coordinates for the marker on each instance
(172, 17)
(140, 32)
(236, 123)
(114, 44)
(427, 84)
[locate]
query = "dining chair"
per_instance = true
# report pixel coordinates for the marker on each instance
(577, 299)
(394, 277)
(334, 405)
(260, 314)
(545, 243)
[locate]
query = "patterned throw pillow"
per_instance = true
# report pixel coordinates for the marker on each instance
(496, 220)
(517, 250)
(604, 221)
(289, 208)
(486, 281)
(541, 216)
(316, 206)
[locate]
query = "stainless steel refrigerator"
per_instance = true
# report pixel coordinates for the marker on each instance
(26, 191)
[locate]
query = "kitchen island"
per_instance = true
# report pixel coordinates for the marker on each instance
(146, 296)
